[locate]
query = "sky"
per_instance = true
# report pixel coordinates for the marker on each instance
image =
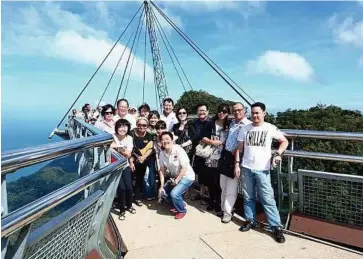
(285, 54)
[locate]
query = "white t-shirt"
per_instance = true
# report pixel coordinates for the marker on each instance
(127, 117)
(174, 162)
(126, 143)
(257, 145)
(170, 120)
(221, 135)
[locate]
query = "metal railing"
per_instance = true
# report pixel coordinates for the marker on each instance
(89, 216)
(294, 178)
(331, 196)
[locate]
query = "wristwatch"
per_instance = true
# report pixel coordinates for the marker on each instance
(276, 154)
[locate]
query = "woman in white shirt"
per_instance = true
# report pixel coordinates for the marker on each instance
(123, 144)
(175, 160)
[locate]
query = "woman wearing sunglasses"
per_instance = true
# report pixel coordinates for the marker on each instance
(184, 131)
(107, 123)
(215, 134)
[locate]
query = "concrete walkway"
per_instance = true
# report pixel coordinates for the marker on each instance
(154, 233)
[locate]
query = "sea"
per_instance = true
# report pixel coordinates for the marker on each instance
(26, 132)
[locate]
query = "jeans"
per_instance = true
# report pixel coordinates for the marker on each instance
(149, 180)
(174, 194)
(261, 181)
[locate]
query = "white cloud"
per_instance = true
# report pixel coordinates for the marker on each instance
(348, 32)
(48, 30)
(211, 5)
(285, 64)
(174, 18)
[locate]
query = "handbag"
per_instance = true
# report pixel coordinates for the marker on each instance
(226, 163)
(203, 150)
(184, 137)
(211, 162)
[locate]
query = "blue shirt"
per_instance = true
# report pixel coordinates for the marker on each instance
(234, 128)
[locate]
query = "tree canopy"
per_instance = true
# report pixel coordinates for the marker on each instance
(190, 99)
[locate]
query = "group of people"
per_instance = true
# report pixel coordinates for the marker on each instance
(171, 148)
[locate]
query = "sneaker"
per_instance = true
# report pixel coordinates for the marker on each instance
(180, 215)
(279, 235)
(226, 218)
(247, 226)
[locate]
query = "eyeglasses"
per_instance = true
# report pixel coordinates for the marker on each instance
(108, 112)
(142, 125)
(238, 110)
(182, 113)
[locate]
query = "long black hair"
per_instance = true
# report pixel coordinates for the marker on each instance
(225, 108)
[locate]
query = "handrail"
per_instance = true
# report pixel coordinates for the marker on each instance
(27, 214)
(321, 134)
(324, 156)
(11, 161)
(94, 130)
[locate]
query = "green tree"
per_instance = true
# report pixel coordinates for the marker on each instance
(189, 100)
(326, 118)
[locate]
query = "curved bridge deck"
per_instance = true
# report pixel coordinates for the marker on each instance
(154, 233)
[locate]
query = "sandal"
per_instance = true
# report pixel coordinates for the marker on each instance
(138, 203)
(122, 215)
(131, 210)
